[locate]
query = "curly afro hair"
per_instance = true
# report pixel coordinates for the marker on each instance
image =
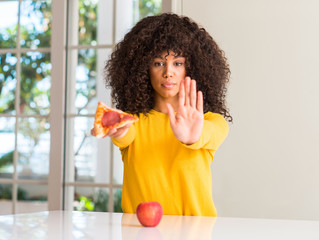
(127, 70)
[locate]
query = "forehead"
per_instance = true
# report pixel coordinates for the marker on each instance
(165, 54)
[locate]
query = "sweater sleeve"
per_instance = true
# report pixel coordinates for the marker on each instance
(214, 132)
(127, 139)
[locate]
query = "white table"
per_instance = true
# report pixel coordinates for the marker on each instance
(89, 225)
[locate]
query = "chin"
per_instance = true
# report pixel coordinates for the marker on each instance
(169, 95)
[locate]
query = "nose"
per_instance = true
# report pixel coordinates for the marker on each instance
(168, 71)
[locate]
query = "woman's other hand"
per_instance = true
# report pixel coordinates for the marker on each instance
(115, 132)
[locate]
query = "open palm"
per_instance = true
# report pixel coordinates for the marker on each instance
(187, 123)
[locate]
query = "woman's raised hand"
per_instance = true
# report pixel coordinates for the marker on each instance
(187, 123)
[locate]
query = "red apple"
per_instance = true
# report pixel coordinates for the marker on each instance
(149, 213)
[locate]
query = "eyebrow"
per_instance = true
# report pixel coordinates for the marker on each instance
(177, 56)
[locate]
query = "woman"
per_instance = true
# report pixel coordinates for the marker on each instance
(171, 74)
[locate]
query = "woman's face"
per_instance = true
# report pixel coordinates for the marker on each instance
(166, 73)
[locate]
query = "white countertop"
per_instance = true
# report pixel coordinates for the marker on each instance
(93, 225)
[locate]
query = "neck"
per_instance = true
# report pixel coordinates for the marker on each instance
(160, 105)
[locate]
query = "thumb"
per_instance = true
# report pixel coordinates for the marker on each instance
(93, 132)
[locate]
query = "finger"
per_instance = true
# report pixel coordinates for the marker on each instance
(171, 113)
(193, 94)
(200, 102)
(111, 132)
(187, 90)
(127, 125)
(123, 127)
(181, 94)
(93, 132)
(120, 132)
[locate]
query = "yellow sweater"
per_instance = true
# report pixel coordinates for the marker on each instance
(158, 167)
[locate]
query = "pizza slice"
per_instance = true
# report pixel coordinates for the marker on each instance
(107, 117)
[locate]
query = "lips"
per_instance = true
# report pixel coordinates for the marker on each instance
(168, 85)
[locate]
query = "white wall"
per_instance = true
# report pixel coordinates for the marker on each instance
(269, 165)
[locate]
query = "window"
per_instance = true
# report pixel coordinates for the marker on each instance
(25, 82)
(44, 123)
(94, 167)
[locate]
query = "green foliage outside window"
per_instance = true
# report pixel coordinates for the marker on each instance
(99, 201)
(149, 8)
(22, 195)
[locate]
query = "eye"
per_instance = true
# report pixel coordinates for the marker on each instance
(178, 64)
(158, 64)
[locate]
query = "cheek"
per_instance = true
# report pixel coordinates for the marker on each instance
(182, 73)
(153, 79)
(154, 75)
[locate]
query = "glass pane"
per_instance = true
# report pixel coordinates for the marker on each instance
(5, 199)
(85, 100)
(33, 148)
(92, 156)
(8, 82)
(35, 83)
(84, 150)
(130, 12)
(117, 166)
(144, 8)
(87, 22)
(84, 77)
(91, 199)
(8, 23)
(87, 158)
(85, 80)
(5, 192)
(35, 24)
(32, 198)
(7, 138)
(90, 22)
(117, 200)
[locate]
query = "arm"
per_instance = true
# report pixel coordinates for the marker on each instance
(124, 140)
(215, 130)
